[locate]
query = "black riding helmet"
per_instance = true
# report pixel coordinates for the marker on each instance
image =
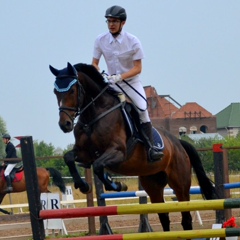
(6, 136)
(116, 12)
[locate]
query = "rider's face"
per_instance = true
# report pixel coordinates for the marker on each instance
(114, 25)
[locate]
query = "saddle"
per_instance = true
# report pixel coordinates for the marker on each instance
(132, 120)
(16, 174)
(15, 171)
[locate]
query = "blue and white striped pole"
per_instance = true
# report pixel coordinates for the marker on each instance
(167, 192)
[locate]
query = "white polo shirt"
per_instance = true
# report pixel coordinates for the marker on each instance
(119, 53)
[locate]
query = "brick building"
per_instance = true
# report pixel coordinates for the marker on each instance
(190, 118)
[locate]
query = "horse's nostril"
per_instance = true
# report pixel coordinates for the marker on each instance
(68, 124)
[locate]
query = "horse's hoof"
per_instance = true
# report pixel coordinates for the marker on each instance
(83, 188)
(121, 186)
(124, 187)
(86, 191)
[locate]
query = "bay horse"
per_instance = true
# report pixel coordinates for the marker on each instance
(103, 141)
(19, 183)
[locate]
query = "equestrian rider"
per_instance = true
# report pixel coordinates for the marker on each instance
(10, 153)
(123, 55)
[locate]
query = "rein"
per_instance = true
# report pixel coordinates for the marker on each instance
(86, 126)
(142, 110)
(93, 100)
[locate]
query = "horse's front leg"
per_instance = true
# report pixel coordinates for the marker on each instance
(69, 159)
(107, 160)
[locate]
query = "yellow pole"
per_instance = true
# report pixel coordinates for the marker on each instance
(204, 233)
(171, 207)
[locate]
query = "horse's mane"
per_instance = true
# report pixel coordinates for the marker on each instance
(92, 72)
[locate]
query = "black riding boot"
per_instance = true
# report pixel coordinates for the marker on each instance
(9, 185)
(153, 154)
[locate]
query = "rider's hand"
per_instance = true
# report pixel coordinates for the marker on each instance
(114, 78)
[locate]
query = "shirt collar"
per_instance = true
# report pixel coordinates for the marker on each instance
(119, 38)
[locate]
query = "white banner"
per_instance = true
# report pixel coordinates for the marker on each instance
(51, 201)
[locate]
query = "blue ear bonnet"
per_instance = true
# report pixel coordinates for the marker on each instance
(64, 81)
(64, 84)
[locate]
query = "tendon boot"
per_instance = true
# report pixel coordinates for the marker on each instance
(9, 185)
(154, 154)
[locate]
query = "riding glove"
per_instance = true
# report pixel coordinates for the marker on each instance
(114, 78)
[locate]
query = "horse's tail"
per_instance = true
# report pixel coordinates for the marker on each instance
(207, 186)
(57, 179)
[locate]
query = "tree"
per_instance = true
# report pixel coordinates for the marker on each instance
(43, 149)
(3, 130)
(233, 154)
(207, 155)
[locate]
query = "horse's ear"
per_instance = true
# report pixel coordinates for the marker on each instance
(72, 70)
(54, 70)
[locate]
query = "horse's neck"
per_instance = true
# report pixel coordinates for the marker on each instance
(97, 100)
(97, 104)
(95, 94)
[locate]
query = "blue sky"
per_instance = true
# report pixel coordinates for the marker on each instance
(192, 52)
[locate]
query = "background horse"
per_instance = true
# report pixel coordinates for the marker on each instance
(102, 140)
(19, 183)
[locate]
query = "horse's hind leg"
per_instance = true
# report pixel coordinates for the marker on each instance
(181, 186)
(186, 216)
(154, 186)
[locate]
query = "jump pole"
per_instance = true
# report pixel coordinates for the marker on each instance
(141, 208)
(167, 191)
(174, 235)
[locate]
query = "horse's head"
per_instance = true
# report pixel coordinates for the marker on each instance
(79, 87)
(67, 90)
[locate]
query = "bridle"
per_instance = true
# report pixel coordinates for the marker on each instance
(81, 92)
(77, 109)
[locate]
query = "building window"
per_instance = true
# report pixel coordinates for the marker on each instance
(182, 131)
(193, 129)
(204, 129)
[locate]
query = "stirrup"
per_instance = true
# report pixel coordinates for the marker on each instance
(8, 190)
(154, 154)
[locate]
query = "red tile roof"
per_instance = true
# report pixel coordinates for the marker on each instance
(192, 110)
(166, 109)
